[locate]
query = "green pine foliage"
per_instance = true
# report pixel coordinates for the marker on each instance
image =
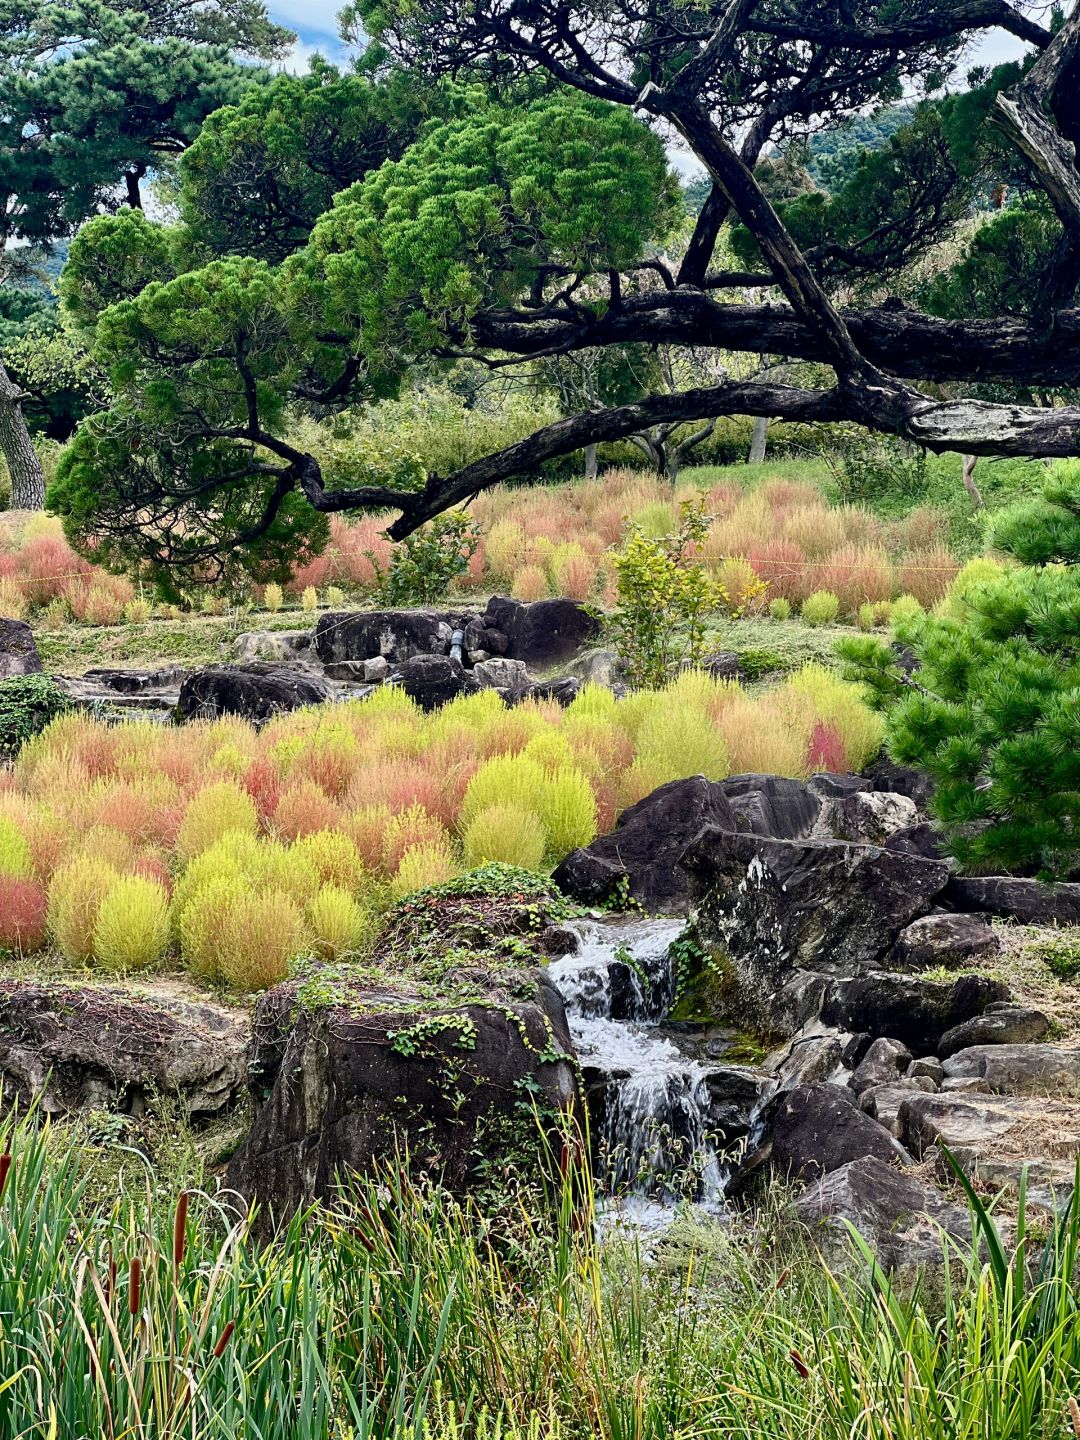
(993, 711)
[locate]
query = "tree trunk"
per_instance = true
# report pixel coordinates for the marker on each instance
(590, 462)
(759, 441)
(24, 467)
(969, 462)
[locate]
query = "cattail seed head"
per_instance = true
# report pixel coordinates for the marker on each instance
(219, 1348)
(180, 1230)
(5, 1166)
(134, 1286)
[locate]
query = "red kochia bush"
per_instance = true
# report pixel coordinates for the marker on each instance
(825, 750)
(22, 914)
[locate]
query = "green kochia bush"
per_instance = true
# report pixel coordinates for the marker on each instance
(993, 712)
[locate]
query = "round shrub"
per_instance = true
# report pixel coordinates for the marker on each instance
(273, 597)
(337, 924)
(432, 863)
(14, 851)
(131, 931)
(820, 608)
(567, 806)
(507, 834)
(23, 915)
(75, 895)
(530, 583)
(213, 813)
(780, 609)
(334, 857)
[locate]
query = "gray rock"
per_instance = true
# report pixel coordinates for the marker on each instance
(545, 632)
(900, 1219)
(901, 780)
(819, 1128)
(951, 940)
(970, 1085)
(501, 674)
(810, 1060)
(772, 805)
(644, 850)
(908, 1008)
(432, 680)
(1051, 1070)
(397, 635)
(1011, 1025)
(256, 691)
(1008, 1126)
(929, 1066)
(94, 1047)
(882, 1102)
(376, 669)
(1029, 901)
(277, 647)
(600, 667)
(882, 1064)
(767, 908)
(921, 839)
(868, 816)
(135, 682)
(18, 650)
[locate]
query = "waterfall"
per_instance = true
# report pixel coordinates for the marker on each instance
(649, 1101)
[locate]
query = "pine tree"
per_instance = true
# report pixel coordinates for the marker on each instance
(993, 709)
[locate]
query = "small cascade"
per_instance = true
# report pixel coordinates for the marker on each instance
(649, 1101)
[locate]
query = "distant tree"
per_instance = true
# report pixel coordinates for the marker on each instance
(94, 94)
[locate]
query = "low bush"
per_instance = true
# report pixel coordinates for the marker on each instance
(779, 608)
(507, 834)
(212, 813)
(131, 928)
(23, 915)
(27, 704)
(820, 608)
(76, 892)
(338, 925)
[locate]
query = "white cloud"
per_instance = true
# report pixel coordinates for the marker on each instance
(298, 60)
(317, 17)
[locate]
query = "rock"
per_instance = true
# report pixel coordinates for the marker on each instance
(921, 839)
(501, 674)
(929, 1066)
(869, 817)
(772, 805)
(136, 682)
(809, 1060)
(352, 672)
(722, 665)
(736, 1093)
(95, 1047)
(882, 1102)
(971, 1126)
(797, 1001)
(1051, 1070)
(901, 780)
(564, 690)
(376, 669)
(543, 633)
(338, 1087)
(974, 1086)
(767, 908)
(18, 650)
(277, 647)
(395, 634)
(818, 1128)
(1010, 1025)
(900, 1219)
(832, 786)
(1030, 901)
(882, 1064)
(950, 940)
(644, 849)
(255, 691)
(432, 680)
(600, 667)
(915, 1011)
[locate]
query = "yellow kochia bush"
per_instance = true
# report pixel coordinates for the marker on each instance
(76, 892)
(131, 929)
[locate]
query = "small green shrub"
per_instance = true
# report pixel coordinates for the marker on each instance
(431, 863)
(131, 930)
(309, 600)
(27, 704)
(76, 892)
(505, 835)
(338, 925)
(424, 565)
(821, 608)
(1062, 956)
(756, 664)
(780, 609)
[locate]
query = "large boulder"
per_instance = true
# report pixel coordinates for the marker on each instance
(921, 839)
(818, 1128)
(98, 1047)
(396, 634)
(442, 1049)
(545, 632)
(256, 691)
(772, 805)
(18, 650)
(907, 1008)
(901, 1219)
(1051, 1070)
(432, 680)
(276, 647)
(1030, 901)
(1008, 1125)
(768, 908)
(950, 940)
(869, 817)
(642, 853)
(883, 1064)
(999, 1024)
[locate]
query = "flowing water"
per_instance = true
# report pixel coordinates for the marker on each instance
(649, 1099)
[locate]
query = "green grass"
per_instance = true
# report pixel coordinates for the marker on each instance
(409, 1313)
